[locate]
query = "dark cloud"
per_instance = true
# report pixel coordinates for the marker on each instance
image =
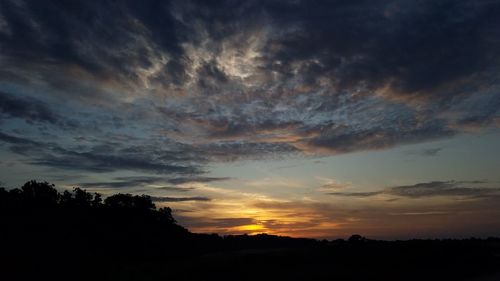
(97, 159)
(30, 110)
(175, 188)
(232, 222)
(234, 150)
(189, 82)
(359, 41)
(182, 180)
(439, 188)
(17, 140)
(425, 152)
(92, 36)
(179, 199)
(123, 182)
(220, 223)
(342, 141)
(416, 47)
(88, 161)
(467, 189)
(131, 182)
(22, 146)
(356, 194)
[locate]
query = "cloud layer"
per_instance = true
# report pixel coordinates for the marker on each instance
(464, 189)
(261, 79)
(153, 94)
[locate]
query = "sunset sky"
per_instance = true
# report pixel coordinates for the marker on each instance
(302, 118)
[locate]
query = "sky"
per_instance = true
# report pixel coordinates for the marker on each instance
(301, 118)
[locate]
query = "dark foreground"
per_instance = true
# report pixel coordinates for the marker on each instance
(78, 236)
(371, 260)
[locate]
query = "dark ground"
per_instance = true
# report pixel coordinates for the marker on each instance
(371, 260)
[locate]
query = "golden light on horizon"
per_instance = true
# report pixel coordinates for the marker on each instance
(251, 228)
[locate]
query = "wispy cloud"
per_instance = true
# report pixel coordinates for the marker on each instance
(28, 109)
(179, 199)
(196, 179)
(267, 80)
(165, 89)
(101, 158)
(467, 189)
(154, 182)
(332, 184)
(430, 152)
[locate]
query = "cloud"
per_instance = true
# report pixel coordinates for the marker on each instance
(327, 219)
(88, 161)
(236, 150)
(175, 188)
(166, 89)
(92, 37)
(183, 180)
(17, 140)
(342, 141)
(215, 224)
(186, 83)
(179, 199)
(20, 145)
(439, 188)
(100, 158)
(232, 222)
(425, 152)
(157, 182)
(373, 49)
(428, 213)
(123, 182)
(356, 194)
(332, 184)
(465, 189)
(30, 110)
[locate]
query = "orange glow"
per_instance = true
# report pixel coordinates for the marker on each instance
(250, 228)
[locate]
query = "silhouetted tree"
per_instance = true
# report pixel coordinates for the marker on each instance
(82, 198)
(129, 201)
(40, 193)
(66, 198)
(166, 215)
(356, 238)
(97, 201)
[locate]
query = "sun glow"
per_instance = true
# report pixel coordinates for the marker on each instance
(251, 228)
